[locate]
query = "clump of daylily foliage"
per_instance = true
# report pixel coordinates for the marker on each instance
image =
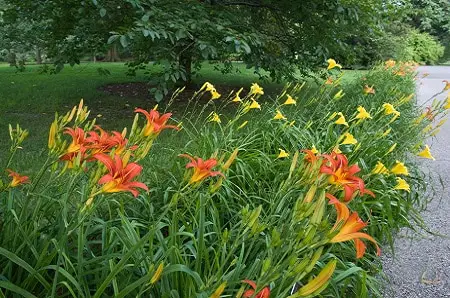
(279, 199)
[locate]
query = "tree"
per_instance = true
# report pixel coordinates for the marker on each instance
(278, 36)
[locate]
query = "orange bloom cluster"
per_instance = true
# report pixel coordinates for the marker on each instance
(264, 293)
(155, 122)
(17, 179)
(343, 175)
(93, 142)
(120, 175)
(202, 168)
(350, 229)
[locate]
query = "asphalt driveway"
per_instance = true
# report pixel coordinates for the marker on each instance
(421, 265)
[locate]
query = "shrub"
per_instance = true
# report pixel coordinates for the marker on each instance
(275, 205)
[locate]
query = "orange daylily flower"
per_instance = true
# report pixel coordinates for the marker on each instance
(103, 142)
(429, 114)
(120, 176)
(311, 155)
(368, 90)
(17, 179)
(351, 227)
(202, 168)
(264, 293)
(78, 145)
(155, 122)
(343, 175)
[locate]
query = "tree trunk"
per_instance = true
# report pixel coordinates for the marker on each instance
(38, 55)
(113, 55)
(185, 61)
(12, 59)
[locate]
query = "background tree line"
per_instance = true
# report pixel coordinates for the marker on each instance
(281, 37)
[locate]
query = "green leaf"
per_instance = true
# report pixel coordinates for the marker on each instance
(123, 41)
(13, 288)
(102, 12)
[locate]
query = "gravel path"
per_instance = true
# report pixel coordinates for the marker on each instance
(421, 265)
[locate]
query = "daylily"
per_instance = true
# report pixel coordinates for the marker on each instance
(103, 142)
(157, 275)
(254, 105)
(207, 87)
(447, 85)
(264, 293)
(380, 168)
(350, 230)
(343, 175)
(389, 109)
(329, 81)
(202, 168)
(400, 169)
(402, 185)
(368, 90)
(155, 122)
(314, 150)
(215, 94)
(341, 120)
(389, 63)
(236, 97)
(362, 113)
(317, 284)
(349, 139)
(290, 100)
(77, 146)
(332, 64)
(283, 154)
(120, 175)
(215, 118)
(255, 89)
(311, 155)
(429, 114)
(218, 292)
(279, 116)
(425, 153)
(17, 179)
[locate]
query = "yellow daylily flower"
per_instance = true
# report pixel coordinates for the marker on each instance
(290, 100)
(337, 150)
(215, 94)
(349, 139)
(254, 105)
(332, 64)
(215, 118)
(341, 120)
(389, 109)
(314, 150)
(255, 89)
(402, 185)
(399, 169)
(243, 124)
(283, 154)
(425, 153)
(380, 168)
(236, 97)
(279, 116)
(207, 86)
(362, 113)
